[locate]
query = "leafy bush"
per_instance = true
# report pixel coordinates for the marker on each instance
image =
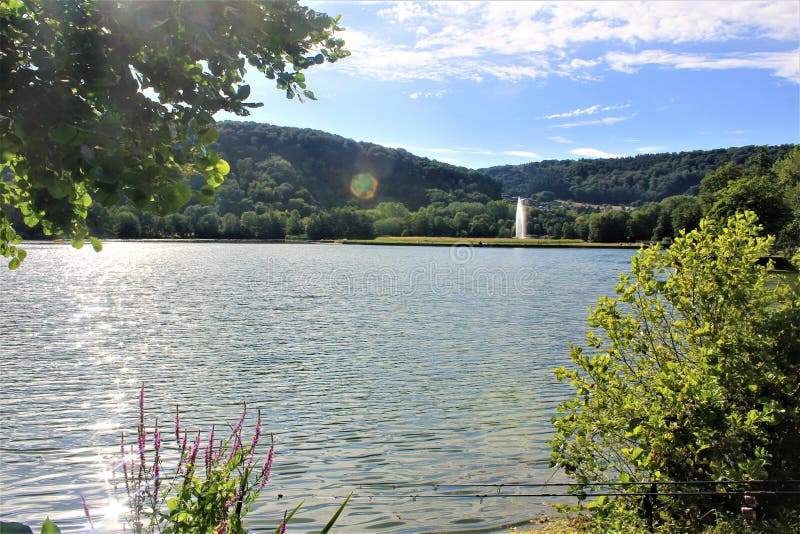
(212, 496)
(693, 375)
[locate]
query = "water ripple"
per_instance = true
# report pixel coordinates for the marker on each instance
(370, 364)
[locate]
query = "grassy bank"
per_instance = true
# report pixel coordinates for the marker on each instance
(484, 242)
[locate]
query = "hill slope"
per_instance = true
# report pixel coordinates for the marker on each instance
(330, 170)
(642, 178)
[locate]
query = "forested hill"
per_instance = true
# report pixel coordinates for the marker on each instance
(642, 178)
(272, 163)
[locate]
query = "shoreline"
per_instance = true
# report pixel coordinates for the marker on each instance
(489, 242)
(380, 241)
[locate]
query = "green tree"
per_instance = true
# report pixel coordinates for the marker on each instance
(608, 227)
(787, 171)
(643, 222)
(103, 100)
(127, 225)
(691, 374)
(760, 194)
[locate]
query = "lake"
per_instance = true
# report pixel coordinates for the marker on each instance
(411, 366)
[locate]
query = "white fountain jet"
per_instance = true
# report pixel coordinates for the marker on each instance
(522, 218)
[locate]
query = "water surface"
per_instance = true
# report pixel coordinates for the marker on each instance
(423, 365)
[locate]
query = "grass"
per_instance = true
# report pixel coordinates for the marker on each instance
(484, 241)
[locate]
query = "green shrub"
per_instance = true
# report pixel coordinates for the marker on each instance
(693, 374)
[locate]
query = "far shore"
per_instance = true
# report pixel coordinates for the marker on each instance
(781, 263)
(484, 242)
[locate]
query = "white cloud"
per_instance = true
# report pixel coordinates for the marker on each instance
(427, 94)
(605, 121)
(782, 64)
(651, 149)
(533, 40)
(594, 153)
(560, 139)
(462, 150)
(521, 154)
(591, 110)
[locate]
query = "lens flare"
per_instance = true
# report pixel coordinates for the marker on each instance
(363, 185)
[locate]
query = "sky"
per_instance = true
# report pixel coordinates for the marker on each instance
(479, 84)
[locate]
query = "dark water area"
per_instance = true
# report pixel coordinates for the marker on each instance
(397, 365)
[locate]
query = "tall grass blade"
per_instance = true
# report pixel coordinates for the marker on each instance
(329, 526)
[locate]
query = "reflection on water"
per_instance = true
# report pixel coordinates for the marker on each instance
(370, 364)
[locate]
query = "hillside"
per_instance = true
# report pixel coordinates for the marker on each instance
(276, 164)
(644, 178)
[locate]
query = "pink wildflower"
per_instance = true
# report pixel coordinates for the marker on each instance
(282, 529)
(177, 425)
(209, 450)
(264, 476)
(256, 438)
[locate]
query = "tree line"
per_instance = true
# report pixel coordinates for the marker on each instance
(643, 178)
(268, 200)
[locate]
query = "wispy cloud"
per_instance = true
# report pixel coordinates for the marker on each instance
(560, 139)
(782, 64)
(427, 94)
(594, 153)
(525, 154)
(604, 121)
(535, 40)
(591, 110)
(651, 149)
(521, 154)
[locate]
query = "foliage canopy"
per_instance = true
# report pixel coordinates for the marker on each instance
(693, 373)
(107, 99)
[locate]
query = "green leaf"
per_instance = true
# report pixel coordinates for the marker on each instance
(77, 242)
(243, 92)
(333, 519)
(14, 528)
(208, 136)
(64, 134)
(172, 504)
(97, 245)
(13, 264)
(48, 527)
(223, 167)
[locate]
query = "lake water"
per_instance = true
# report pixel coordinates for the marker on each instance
(397, 365)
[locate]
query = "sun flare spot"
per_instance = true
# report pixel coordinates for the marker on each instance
(363, 185)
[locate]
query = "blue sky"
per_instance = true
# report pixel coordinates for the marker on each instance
(490, 83)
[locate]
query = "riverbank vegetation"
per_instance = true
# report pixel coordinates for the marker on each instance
(290, 183)
(688, 389)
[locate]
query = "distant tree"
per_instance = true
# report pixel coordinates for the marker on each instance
(104, 100)
(127, 225)
(720, 178)
(686, 215)
(756, 193)
(208, 226)
(608, 227)
(270, 225)
(482, 226)
(320, 226)
(643, 222)
(392, 226)
(231, 228)
(294, 224)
